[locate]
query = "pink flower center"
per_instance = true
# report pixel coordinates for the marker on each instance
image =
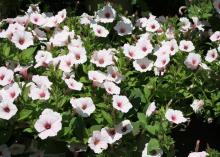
(143, 66)
(109, 89)
(185, 47)
(107, 15)
(68, 63)
(101, 61)
(35, 19)
(131, 53)
(122, 30)
(173, 117)
(77, 56)
(119, 104)
(2, 77)
(172, 48)
(12, 94)
(84, 106)
(213, 55)
(219, 5)
(42, 94)
(163, 61)
(153, 26)
(47, 126)
(96, 141)
(111, 132)
(6, 109)
(193, 61)
(21, 41)
(99, 31)
(144, 49)
(113, 75)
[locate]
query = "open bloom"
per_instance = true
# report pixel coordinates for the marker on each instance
(39, 93)
(83, 106)
(124, 27)
(197, 105)
(157, 153)
(121, 103)
(186, 46)
(99, 30)
(133, 52)
(185, 24)
(162, 61)
(7, 110)
(11, 92)
(78, 54)
(106, 14)
(171, 46)
(111, 134)
(143, 65)
(22, 39)
(175, 116)
(37, 19)
(98, 142)
(152, 25)
(113, 74)
(215, 36)
(61, 16)
(124, 127)
(192, 61)
(111, 88)
(73, 84)
(197, 24)
(151, 108)
(144, 46)
(48, 124)
(66, 62)
(97, 76)
(6, 76)
(211, 55)
(42, 81)
(198, 154)
(43, 58)
(102, 58)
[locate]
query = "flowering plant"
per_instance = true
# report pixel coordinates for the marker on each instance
(100, 83)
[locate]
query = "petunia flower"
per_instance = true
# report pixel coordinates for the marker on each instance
(111, 88)
(152, 25)
(102, 58)
(78, 55)
(106, 15)
(6, 76)
(124, 127)
(73, 84)
(113, 74)
(7, 110)
(99, 30)
(111, 134)
(215, 36)
(97, 76)
(192, 61)
(198, 154)
(175, 116)
(143, 64)
(186, 46)
(151, 108)
(124, 27)
(37, 19)
(121, 103)
(43, 58)
(211, 55)
(197, 105)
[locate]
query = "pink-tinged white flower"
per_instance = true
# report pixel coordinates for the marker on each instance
(170, 33)
(144, 46)
(186, 46)
(197, 24)
(97, 76)
(162, 51)
(43, 58)
(211, 55)
(50, 22)
(12, 28)
(42, 81)
(102, 58)
(7, 110)
(152, 25)
(67, 76)
(33, 8)
(121, 103)
(141, 22)
(198, 154)
(22, 39)
(204, 66)
(66, 63)
(197, 105)
(22, 20)
(98, 142)
(61, 16)
(158, 153)
(78, 55)
(150, 110)
(175, 116)
(6, 76)
(124, 27)
(73, 84)
(99, 30)
(106, 14)
(143, 65)
(113, 74)
(11, 92)
(132, 52)
(217, 5)
(192, 61)
(83, 106)
(23, 70)
(111, 134)
(111, 88)
(75, 43)
(124, 127)
(5, 152)
(185, 24)
(37, 19)
(215, 36)
(38, 93)
(171, 46)
(48, 124)
(86, 19)
(162, 61)
(39, 34)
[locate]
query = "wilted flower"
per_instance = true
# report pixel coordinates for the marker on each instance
(197, 105)
(48, 124)
(121, 103)
(197, 24)
(175, 116)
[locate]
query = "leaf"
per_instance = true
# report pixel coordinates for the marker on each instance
(142, 118)
(27, 55)
(153, 145)
(107, 117)
(6, 50)
(24, 114)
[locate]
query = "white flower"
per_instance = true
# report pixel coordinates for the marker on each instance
(124, 27)
(73, 84)
(151, 108)
(204, 66)
(211, 55)
(124, 127)
(12, 28)
(66, 63)
(198, 154)
(121, 103)
(158, 153)
(152, 25)
(215, 36)
(99, 30)
(133, 52)
(192, 61)
(37, 19)
(11, 91)
(217, 5)
(111, 88)
(22, 20)
(143, 65)
(170, 33)
(98, 142)
(197, 24)
(111, 134)
(83, 106)
(43, 58)
(33, 8)
(78, 54)
(141, 22)
(197, 105)
(186, 46)
(7, 110)
(106, 14)
(4, 151)
(61, 16)
(42, 81)
(144, 46)
(102, 58)
(162, 61)
(113, 74)
(22, 39)
(6, 76)
(97, 76)
(39, 93)
(171, 46)
(185, 24)
(162, 51)
(86, 19)
(75, 43)
(175, 116)
(48, 124)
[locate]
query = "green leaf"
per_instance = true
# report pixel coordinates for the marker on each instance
(27, 55)
(6, 50)
(107, 117)
(153, 145)
(142, 118)
(24, 114)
